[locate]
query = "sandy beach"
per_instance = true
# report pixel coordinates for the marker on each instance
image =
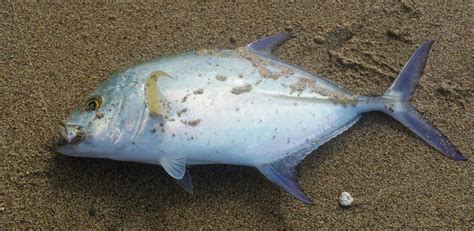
(52, 55)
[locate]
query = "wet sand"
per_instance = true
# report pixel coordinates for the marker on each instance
(53, 55)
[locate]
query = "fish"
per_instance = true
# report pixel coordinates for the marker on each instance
(240, 106)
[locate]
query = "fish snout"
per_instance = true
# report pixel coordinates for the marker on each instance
(71, 133)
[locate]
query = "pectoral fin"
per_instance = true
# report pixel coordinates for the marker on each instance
(155, 101)
(176, 168)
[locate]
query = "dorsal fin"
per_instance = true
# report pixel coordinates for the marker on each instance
(282, 173)
(176, 168)
(266, 45)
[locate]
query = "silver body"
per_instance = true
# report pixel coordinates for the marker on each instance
(257, 126)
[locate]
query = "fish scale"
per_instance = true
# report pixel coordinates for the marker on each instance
(238, 107)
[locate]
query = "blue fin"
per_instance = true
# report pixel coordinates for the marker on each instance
(410, 75)
(174, 167)
(395, 102)
(185, 182)
(282, 174)
(266, 45)
(415, 122)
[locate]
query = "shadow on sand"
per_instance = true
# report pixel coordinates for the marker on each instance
(125, 188)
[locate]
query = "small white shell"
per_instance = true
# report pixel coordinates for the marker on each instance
(345, 199)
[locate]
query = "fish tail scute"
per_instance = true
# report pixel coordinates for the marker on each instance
(396, 103)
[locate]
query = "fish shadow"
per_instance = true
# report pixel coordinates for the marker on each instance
(107, 186)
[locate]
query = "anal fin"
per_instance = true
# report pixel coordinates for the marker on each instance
(284, 176)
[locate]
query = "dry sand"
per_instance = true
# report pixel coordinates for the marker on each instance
(53, 55)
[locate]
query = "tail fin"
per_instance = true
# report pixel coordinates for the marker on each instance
(395, 102)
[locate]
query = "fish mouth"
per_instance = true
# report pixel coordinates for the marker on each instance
(69, 134)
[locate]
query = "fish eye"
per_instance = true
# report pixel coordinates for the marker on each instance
(93, 104)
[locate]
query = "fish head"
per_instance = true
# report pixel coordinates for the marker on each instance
(99, 126)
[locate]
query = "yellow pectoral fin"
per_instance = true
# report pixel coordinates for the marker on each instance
(157, 104)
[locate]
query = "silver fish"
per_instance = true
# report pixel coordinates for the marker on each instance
(239, 107)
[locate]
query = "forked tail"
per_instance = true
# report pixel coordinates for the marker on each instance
(396, 103)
